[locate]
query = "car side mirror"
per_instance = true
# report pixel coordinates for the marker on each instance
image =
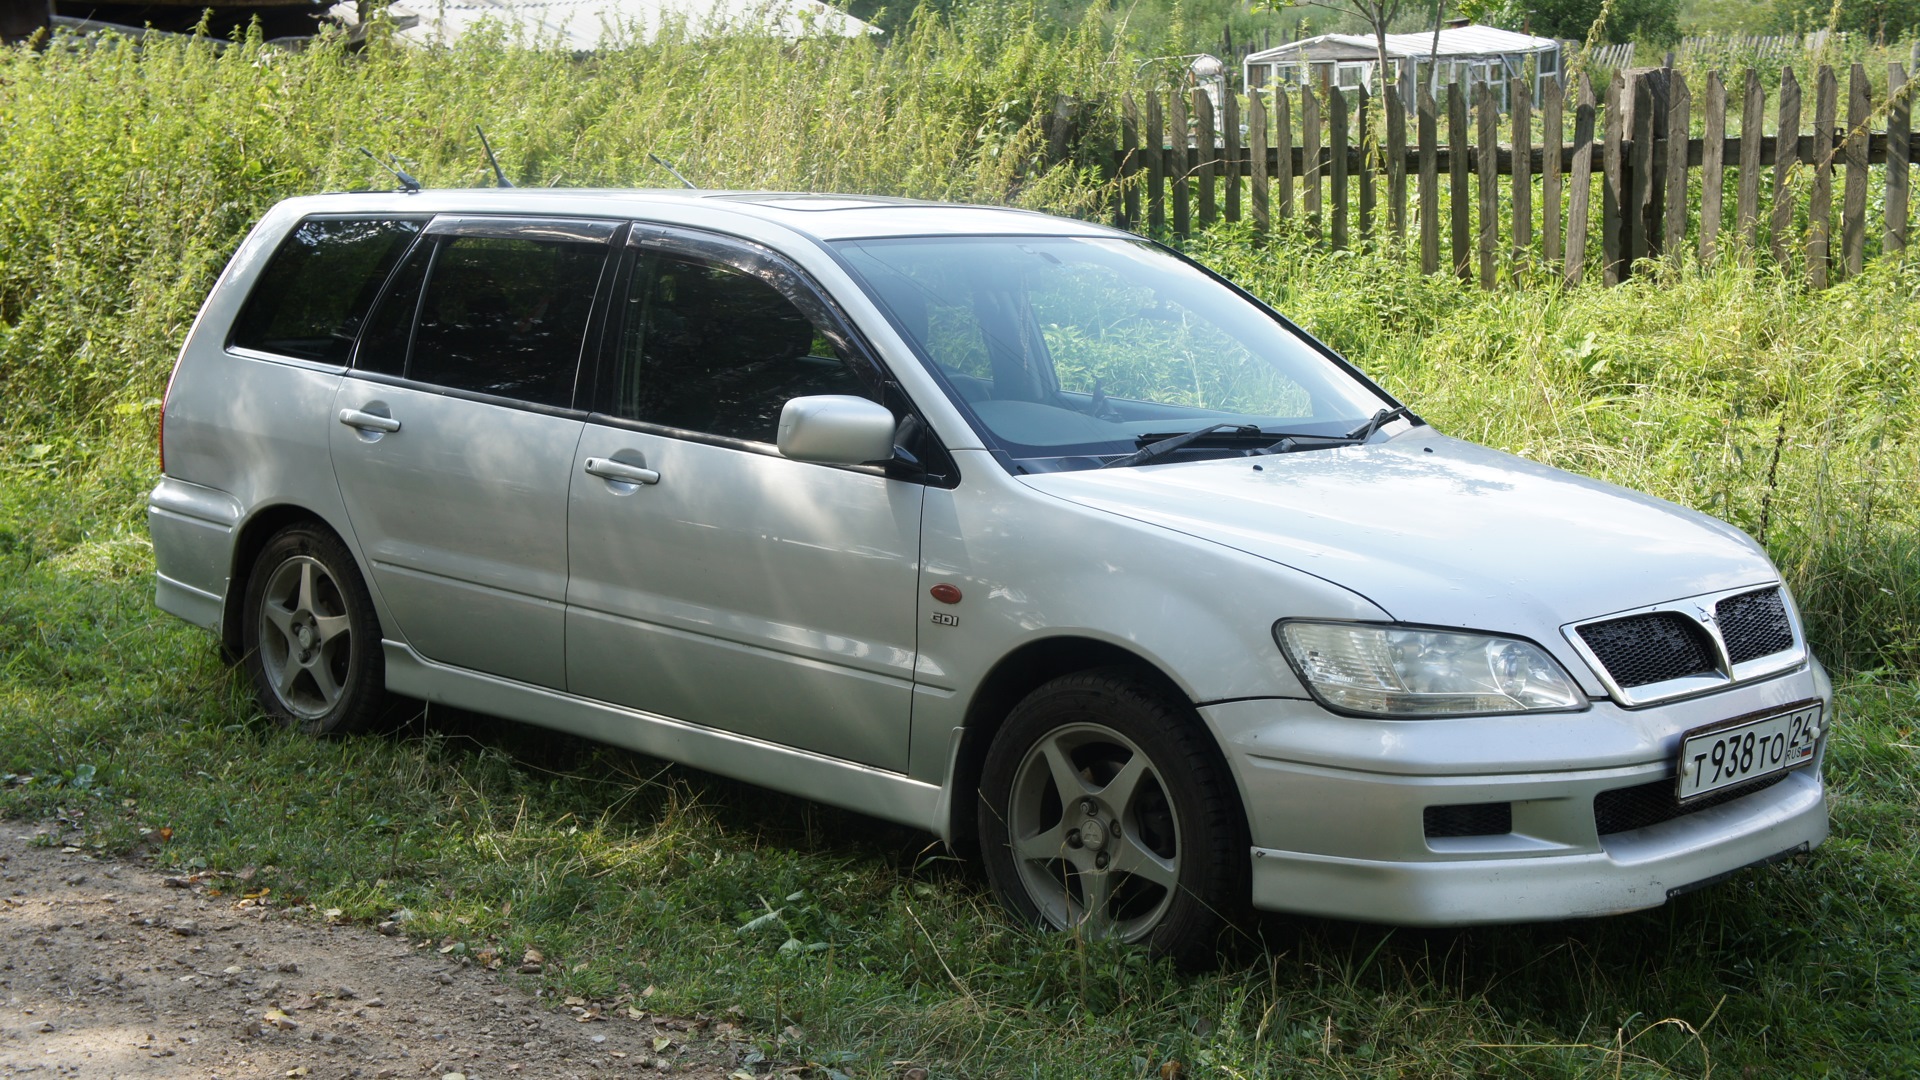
(836, 429)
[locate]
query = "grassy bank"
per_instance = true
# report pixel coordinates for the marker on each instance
(126, 179)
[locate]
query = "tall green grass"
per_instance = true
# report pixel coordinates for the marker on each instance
(128, 173)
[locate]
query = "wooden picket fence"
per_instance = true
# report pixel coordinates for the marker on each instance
(1323, 163)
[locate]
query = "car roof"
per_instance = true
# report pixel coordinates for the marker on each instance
(822, 217)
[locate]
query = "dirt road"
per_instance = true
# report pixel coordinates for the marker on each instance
(109, 969)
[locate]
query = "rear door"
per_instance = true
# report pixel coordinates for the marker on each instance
(713, 580)
(456, 435)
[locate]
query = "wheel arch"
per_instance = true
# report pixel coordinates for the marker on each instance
(261, 526)
(1016, 675)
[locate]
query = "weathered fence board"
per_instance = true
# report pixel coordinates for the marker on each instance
(1826, 107)
(1257, 147)
(1181, 165)
(1551, 132)
(1396, 164)
(1713, 162)
(1457, 180)
(1786, 151)
(1583, 116)
(1206, 154)
(1899, 152)
(1337, 157)
(1522, 96)
(1428, 133)
(1753, 124)
(1853, 211)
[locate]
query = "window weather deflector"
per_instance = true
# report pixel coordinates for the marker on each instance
(577, 230)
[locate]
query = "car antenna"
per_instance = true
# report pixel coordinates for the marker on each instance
(500, 178)
(665, 164)
(407, 183)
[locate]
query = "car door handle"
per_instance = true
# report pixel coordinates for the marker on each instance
(609, 469)
(366, 421)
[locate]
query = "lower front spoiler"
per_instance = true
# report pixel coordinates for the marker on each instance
(1635, 870)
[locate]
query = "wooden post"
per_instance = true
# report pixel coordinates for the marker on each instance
(1283, 140)
(1369, 158)
(1552, 141)
(1753, 130)
(1396, 162)
(1679, 127)
(1853, 206)
(1786, 154)
(1180, 134)
(1713, 165)
(1427, 130)
(1156, 167)
(1613, 193)
(1521, 95)
(1310, 160)
(1582, 188)
(1337, 136)
(1257, 148)
(1826, 112)
(1899, 152)
(1232, 154)
(1458, 206)
(1488, 152)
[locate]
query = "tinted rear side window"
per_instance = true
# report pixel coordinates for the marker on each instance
(506, 316)
(315, 292)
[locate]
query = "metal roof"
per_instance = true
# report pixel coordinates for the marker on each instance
(1455, 42)
(585, 25)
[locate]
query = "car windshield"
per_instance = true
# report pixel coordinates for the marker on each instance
(1074, 352)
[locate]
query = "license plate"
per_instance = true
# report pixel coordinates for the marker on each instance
(1721, 757)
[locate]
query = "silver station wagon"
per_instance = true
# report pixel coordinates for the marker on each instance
(1016, 529)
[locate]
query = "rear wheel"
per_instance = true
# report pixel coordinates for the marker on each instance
(1105, 809)
(312, 640)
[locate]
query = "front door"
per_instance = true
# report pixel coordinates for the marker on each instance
(713, 580)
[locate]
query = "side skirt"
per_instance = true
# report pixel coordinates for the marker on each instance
(856, 787)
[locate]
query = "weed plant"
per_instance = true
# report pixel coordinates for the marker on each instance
(128, 175)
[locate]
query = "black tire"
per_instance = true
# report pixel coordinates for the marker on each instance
(1174, 873)
(312, 640)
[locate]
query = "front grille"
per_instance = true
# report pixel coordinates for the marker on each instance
(1754, 625)
(1625, 809)
(1470, 819)
(1652, 648)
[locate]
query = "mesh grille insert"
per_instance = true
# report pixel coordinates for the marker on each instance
(1643, 649)
(1470, 819)
(1754, 625)
(1624, 809)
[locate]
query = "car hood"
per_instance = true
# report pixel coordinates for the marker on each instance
(1438, 531)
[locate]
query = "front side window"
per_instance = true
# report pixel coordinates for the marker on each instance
(1067, 350)
(708, 347)
(315, 291)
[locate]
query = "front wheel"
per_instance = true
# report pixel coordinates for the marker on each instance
(312, 639)
(1105, 809)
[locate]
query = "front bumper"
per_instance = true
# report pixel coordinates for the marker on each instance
(1338, 808)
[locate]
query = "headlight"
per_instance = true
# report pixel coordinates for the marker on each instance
(1406, 672)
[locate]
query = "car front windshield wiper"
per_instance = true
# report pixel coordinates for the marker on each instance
(1357, 435)
(1161, 447)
